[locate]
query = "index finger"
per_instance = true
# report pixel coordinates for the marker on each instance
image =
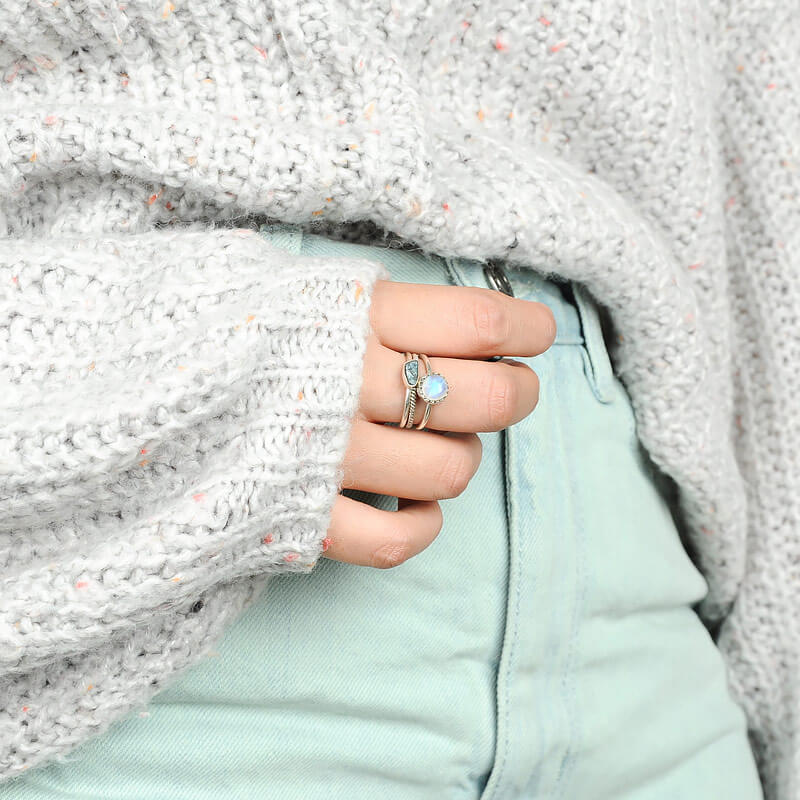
(459, 321)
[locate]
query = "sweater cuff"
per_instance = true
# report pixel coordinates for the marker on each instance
(240, 476)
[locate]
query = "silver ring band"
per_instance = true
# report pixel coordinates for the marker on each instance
(410, 380)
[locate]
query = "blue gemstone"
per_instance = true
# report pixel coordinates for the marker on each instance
(412, 371)
(434, 387)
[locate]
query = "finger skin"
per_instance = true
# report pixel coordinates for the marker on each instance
(371, 537)
(415, 464)
(482, 396)
(459, 321)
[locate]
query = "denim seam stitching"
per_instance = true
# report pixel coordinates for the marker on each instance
(569, 675)
(511, 633)
(598, 365)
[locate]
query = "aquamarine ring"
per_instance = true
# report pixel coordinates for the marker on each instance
(410, 379)
(433, 388)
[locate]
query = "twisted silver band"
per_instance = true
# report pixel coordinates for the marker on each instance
(410, 379)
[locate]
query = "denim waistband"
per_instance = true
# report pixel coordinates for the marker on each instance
(576, 313)
(525, 282)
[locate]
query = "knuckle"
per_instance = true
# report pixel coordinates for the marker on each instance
(502, 401)
(491, 321)
(393, 552)
(455, 472)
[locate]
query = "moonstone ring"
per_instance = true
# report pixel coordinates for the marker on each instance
(432, 389)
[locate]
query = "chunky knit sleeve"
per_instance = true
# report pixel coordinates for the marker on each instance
(174, 410)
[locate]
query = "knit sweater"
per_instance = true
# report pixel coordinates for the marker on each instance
(177, 394)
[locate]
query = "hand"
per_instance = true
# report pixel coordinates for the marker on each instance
(456, 326)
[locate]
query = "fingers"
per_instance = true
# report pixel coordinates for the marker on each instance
(483, 395)
(415, 464)
(458, 327)
(459, 321)
(362, 534)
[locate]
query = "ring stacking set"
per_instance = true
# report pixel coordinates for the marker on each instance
(432, 388)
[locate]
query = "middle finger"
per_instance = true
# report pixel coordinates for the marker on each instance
(459, 321)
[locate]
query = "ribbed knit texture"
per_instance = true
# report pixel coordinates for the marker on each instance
(645, 148)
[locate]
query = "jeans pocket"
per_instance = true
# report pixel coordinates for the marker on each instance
(596, 363)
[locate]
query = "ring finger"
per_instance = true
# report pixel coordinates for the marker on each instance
(482, 395)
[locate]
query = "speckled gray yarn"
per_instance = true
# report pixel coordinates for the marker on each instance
(646, 148)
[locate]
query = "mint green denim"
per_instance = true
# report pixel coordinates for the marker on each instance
(543, 646)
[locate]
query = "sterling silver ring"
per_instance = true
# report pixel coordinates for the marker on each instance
(410, 379)
(432, 388)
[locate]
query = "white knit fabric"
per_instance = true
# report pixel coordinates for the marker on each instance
(646, 148)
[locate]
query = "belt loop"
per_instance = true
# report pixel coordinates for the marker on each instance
(454, 272)
(599, 364)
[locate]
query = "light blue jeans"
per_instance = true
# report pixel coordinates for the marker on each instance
(543, 646)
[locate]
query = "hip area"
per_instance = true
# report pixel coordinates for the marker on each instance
(543, 645)
(575, 464)
(564, 549)
(572, 474)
